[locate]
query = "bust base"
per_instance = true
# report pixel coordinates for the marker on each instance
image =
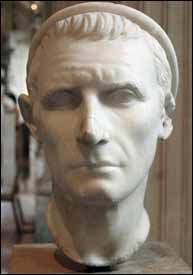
(151, 258)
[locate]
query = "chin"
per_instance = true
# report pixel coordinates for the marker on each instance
(97, 192)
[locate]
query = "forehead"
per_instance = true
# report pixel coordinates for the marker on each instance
(79, 62)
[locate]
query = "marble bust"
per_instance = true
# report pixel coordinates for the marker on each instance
(102, 81)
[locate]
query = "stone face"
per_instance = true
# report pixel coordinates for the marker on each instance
(152, 258)
(101, 94)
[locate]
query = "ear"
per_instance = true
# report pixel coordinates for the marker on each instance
(166, 127)
(25, 105)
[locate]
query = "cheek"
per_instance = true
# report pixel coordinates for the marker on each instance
(56, 127)
(143, 133)
(142, 130)
(57, 134)
(145, 122)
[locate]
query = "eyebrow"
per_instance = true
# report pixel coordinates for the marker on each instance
(60, 86)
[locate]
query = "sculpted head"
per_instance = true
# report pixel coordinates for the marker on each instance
(100, 98)
(102, 82)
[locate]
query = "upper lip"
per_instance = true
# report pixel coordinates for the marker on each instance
(95, 164)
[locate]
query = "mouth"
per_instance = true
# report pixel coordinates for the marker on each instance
(95, 165)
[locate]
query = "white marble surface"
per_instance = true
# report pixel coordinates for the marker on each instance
(100, 99)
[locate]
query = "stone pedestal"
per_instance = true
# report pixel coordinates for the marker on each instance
(152, 258)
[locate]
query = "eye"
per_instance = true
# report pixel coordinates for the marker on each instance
(63, 99)
(121, 97)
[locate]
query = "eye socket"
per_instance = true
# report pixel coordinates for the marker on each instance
(123, 97)
(62, 99)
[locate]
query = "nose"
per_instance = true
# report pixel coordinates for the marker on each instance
(92, 132)
(93, 129)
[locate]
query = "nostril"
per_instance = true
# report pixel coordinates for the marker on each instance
(87, 138)
(103, 141)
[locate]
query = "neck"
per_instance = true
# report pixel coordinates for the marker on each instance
(99, 236)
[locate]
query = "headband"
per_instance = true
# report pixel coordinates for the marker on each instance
(137, 17)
